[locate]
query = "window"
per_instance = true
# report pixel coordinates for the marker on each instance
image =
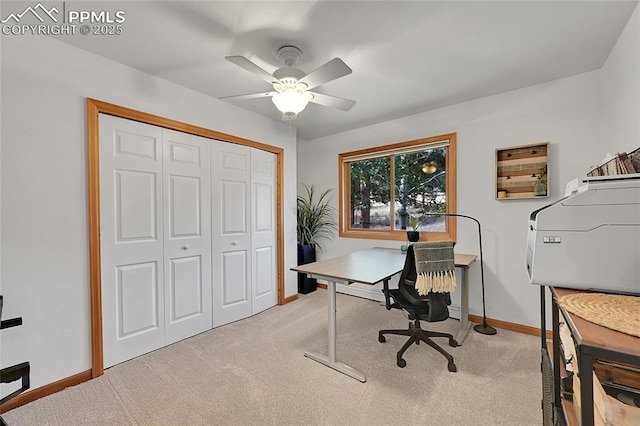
(384, 189)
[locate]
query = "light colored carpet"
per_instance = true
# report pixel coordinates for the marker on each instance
(253, 372)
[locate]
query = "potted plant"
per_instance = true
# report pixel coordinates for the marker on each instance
(316, 220)
(414, 235)
(540, 187)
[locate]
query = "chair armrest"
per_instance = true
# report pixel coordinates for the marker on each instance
(387, 297)
(15, 372)
(13, 322)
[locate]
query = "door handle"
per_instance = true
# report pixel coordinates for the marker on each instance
(185, 247)
(234, 243)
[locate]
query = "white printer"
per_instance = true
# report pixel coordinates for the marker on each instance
(590, 239)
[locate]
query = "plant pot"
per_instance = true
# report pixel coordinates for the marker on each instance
(306, 254)
(540, 189)
(413, 236)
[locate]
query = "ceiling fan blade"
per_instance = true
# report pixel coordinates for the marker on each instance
(243, 62)
(332, 101)
(250, 96)
(332, 70)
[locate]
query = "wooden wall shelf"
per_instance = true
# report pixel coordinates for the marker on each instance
(518, 171)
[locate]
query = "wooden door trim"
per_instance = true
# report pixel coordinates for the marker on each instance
(94, 108)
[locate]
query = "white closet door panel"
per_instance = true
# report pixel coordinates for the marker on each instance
(131, 238)
(264, 220)
(187, 241)
(231, 169)
(234, 267)
(184, 206)
(263, 236)
(136, 283)
(135, 206)
(234, 209)
(186, 288)
(264, 273)
(128, 143)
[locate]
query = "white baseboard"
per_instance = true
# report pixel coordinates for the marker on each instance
(454, 311)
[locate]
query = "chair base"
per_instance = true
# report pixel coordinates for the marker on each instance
(416, 335)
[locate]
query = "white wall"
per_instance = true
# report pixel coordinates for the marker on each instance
(45, 269)
(43, 216)
(620, 78)
(563, 112)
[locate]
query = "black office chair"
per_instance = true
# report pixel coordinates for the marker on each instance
(430, 308)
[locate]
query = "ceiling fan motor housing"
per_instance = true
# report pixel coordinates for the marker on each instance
(290, 55)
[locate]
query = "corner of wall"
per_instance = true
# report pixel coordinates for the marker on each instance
(620, 91)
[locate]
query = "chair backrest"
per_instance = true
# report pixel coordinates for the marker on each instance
(437, 302)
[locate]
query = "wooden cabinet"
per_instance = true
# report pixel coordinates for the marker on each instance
(593, 344)
(522, 171)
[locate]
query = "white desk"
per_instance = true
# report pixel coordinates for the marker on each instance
(370, 267)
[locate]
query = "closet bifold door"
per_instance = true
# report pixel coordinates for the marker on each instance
(131, 238)
(264, 286)
(187, 235)
(231, 239)
(155, 223)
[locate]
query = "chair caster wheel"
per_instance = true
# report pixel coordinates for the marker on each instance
(381, 339)
(452, 367)
(402, 363)
(453, 343)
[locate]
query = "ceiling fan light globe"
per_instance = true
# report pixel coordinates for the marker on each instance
(291, 102)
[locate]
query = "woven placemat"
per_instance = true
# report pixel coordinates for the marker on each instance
(617, 312)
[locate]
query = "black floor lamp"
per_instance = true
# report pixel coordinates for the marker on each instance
(480, 328)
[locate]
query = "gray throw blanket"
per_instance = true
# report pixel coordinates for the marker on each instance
(435, 263)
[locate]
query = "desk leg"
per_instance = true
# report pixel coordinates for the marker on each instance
(464, 308)
(330, 360)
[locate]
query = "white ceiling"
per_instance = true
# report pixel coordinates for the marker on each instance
(407, 56)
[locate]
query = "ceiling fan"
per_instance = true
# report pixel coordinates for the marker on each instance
(291, 86)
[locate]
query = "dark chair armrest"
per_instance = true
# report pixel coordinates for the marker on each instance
(13, 373)
(13, 322)
(387, 297)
